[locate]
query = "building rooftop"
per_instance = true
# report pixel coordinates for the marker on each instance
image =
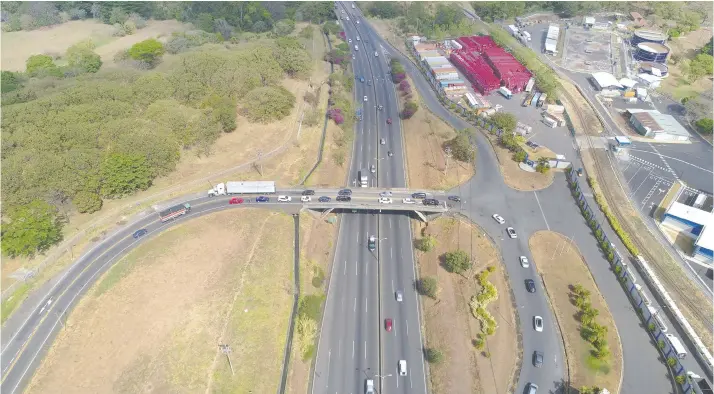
(659, 122)
(606, 80)
(706, 238)
(589, 20)
(690, 213)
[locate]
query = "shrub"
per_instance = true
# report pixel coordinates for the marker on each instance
(409, 110)
(336, 115)
(427, 286)
(30, 229)
(426, 244)
(705, 125)
(457, 262)
(519, 156)
(267, 103)
(461, 148)
(504, 121)
(433, 356)
(671, 361)
(147, 51)
(680, 379)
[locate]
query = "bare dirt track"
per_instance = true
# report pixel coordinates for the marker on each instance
(152, 324)
(449, 325)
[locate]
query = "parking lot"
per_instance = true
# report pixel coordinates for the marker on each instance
(648, 182)
(587, 50)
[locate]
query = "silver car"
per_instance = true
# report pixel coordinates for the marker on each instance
(399, 296)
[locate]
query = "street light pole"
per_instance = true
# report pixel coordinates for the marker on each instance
(226, 349)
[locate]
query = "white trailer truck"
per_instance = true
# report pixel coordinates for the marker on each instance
(677, 346)
(248, 187)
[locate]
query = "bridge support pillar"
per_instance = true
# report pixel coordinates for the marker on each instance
(327, 212)
(421, 216)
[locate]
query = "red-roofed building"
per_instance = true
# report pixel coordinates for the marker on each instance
(514, 75)
(476, 70)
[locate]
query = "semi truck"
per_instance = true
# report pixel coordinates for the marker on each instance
(174, 212)
(248, 187)
(363, 179)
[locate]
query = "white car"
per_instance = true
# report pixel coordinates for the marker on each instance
(358, 22)
(347, 17)
(538, 323)
(498, 218)
(349, 40)
(284, 198)
(370, 387)
(398, 295)
(353, 57)
(376, 54)
(305, 199)
(382, 141)
(365, 99)
(524, 262)
(402, 367)
(408, 201)
(385, 200)
(385, 194)
(373, 169)
(511, 232)
(358, 36)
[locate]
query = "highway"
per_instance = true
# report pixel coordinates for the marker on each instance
(354, 345)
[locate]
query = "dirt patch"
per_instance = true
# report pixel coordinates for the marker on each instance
(388, 31)
(449, 325)
(153, 322)
(558, 274)
(516, 178)
(233, 152)
(424, 136)
(317, 239)
(19, 45)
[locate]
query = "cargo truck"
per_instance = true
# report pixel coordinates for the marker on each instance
(541, 100)
(363, 179)
(247, 187)
(174, 212)
(677, 346)
(505, 92)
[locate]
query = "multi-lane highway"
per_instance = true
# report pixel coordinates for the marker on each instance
(354, 345)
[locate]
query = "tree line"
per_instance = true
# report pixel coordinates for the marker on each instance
(70, 143)
(221, 17)
(435, 21)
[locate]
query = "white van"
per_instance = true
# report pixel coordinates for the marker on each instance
(402, 367)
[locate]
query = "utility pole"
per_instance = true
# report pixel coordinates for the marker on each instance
(259, 164)
(226, 349)
(448, 156)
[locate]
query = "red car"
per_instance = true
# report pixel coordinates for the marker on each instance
(235, 200)
(389, 120)
(388, 325)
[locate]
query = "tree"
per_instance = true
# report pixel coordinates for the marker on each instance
(82, 57)
(283, 27)
(41, 66)
(504, 121)
(307, 32)
(426, 244)
(700, 66)
(31, 229)
(118, 15)
(433, 356)
(519, 156)
(457, 262)
(224, 111)
(147, 51)
(704, 125)
(268, 103)
(671, 361)
(123, 174)
(543, 166)
(87, 202)
(460, 146)
(222, 27)
(427, 286)
(10, 81)
(409, 110)
(384, 10)
(292, 57)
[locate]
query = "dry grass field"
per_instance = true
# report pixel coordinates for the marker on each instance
(153, 322)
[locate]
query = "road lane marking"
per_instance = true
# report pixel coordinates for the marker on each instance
(327, 378)
(397, 375)
(356, 268)
(392, 286)
(365, 305)
(642, 183)
(353, 349)
(354, 305)
(406, 324)
(541, 211)
(344, 271)
(339, 348)
(391, 254)
(365, 350)
(410, 379)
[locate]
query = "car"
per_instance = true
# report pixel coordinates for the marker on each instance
(537, 359)
(344, 198)
(380, 107)
(369, 82)
(530, 285)
(385, 200)
(348, 18)
(454, 198)
(382, 141)
(524, 261)
(353, 57)
(361, 79)
(372, 243)
(284, 199)
(430, 201)
(388, 325)
(372, 169)
(531, 388)
(305, 199)
(139, 233)
(376, 54)
(398, 295)
(358, 24)
(262, 199)
(511, 232)
(344, 192)
(357, 36)
(385, 194)
(349, 39)
(308, 192)
(365, 99)
(389, 120)
(498, 218)
(408, 201)
(580, 172)
(419, 195)
(390, 154)
(402, 367)
(538, 323)
(235, 200)
(324, 199)
(369, 387)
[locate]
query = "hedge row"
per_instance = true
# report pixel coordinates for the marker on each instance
(614, 223)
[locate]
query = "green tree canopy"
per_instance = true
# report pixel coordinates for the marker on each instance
(292, 57)
(427, 286)
(123, 174)
(41, 66)
(82, 57)
(457, 262)
(31, 229)
(266, 104)
(148, 51)
(505, 121)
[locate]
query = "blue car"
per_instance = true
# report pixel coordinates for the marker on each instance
(139, 233)
(361, 79)
(262, 199)
(324, 199)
